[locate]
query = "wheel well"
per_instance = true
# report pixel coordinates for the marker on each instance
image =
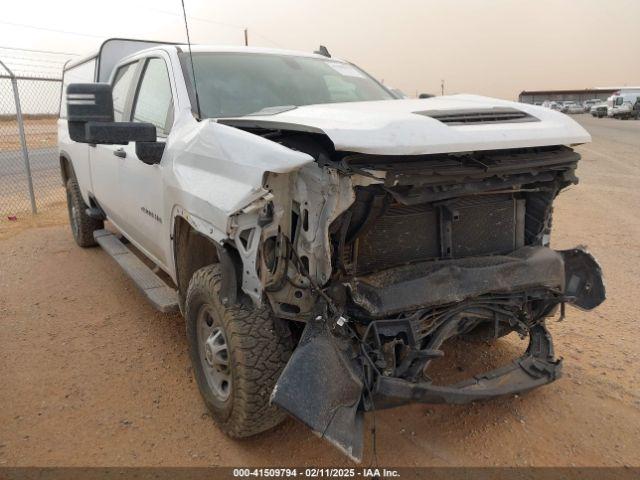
(66, 169)
(192, 251)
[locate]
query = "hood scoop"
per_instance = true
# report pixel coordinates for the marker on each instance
(479, 116)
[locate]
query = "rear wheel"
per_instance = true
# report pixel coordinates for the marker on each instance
(237, 354)
(82, 225)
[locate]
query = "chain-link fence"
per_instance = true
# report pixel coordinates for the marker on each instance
(29, 166)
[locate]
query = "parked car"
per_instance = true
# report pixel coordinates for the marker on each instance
(322, 238)
(599, 110)
(587, 104)
(552, 105)
(572, 107)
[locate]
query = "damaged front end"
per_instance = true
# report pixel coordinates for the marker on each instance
(343, 368)
(382, 259)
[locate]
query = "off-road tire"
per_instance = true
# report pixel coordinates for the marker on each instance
(259, 347)
(82, 225)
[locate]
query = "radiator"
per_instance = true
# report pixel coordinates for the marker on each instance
(463, 227)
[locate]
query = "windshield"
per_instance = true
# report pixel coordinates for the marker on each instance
(238, 84)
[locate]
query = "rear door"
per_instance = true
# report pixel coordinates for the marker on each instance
(105, 160)
(141, 185)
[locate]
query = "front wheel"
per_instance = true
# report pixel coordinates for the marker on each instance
(237, 354)
(82, 225)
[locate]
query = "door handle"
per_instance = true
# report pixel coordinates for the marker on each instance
(120, 153)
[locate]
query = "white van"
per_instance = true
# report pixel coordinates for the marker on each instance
(620, 104)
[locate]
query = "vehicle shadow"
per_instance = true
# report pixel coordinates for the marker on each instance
(414, 425)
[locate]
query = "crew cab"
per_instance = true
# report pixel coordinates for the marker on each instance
(321, 237)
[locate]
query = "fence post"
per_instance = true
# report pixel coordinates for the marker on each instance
(23, 139)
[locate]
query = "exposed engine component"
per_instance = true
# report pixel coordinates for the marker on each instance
(420, 249)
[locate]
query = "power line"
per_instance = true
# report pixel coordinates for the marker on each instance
(35, 60)
(38, 51)
(21, 66)
(199, 19)
(28, 68)
(31, 62)
(266, 38)
(213, 22)
(102, 37)
(53, 30)
(206, 20)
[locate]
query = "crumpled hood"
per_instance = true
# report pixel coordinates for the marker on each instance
(392, 127)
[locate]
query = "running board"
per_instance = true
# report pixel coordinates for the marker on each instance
(161, 296)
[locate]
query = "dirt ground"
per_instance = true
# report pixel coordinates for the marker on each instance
(93, 376)
(40, 133)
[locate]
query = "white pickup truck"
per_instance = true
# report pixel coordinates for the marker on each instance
(321, 237)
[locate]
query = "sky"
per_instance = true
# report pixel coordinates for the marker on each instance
(489, 47)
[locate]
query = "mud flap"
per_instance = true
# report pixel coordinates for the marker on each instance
(321, 386)
(584, 286)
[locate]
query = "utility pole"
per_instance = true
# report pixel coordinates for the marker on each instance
(441, 87)
(246, 37)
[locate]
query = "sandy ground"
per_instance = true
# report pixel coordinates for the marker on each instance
(40, 133)
(92, 375)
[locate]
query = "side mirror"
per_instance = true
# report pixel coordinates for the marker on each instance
(87, 102)
(118, 133)
(90, 117)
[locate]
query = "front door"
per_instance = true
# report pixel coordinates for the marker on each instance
(140, 184)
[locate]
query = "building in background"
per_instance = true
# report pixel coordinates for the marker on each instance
(578, 96)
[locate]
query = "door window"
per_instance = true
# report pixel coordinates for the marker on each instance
(154, 102)
(120, 89)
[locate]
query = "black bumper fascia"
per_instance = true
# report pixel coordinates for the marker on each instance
(574, 272)
(535, 368)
